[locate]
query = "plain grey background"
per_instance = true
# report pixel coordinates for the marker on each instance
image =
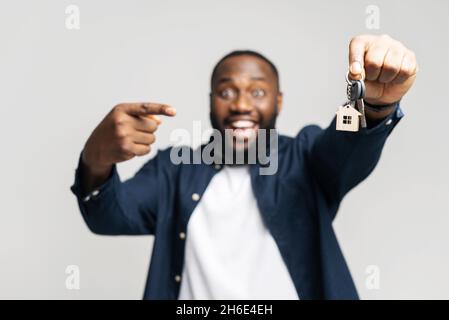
(57, 84)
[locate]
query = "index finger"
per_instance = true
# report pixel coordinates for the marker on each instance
(149, 108)
(357, 49)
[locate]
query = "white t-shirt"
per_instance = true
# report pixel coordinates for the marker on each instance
(229, 252)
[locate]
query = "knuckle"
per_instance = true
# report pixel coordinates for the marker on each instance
(123, 144)
(119, 121)
(145, 107)
(373, 63)
(391, 68)
(406, 72)
(120, 132)
(117, 115)
(118, 108)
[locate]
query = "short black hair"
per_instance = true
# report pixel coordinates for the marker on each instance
(237, 53)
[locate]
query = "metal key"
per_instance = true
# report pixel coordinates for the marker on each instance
(361, 107)
(356, 92)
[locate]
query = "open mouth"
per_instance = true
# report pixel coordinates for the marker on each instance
(243, 129)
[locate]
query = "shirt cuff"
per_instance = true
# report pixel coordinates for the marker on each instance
(386, 124)
(81, 194)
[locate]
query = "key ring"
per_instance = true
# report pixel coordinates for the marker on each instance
(357, 85)
(350, 81)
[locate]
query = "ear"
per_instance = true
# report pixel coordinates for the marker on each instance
(279, 99)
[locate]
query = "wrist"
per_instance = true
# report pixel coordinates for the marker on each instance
(375, 113)
(380, 107)
(93, 168)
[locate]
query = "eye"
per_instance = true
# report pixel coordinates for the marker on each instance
(258, 93)
(227, 94)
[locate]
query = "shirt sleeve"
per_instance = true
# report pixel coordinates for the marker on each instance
(340, 160)
(121, 208)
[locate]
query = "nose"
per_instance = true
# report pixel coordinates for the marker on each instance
(241, 105)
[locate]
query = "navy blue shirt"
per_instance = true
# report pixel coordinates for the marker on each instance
(298, 204)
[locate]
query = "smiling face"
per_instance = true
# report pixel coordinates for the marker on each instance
(245, 97)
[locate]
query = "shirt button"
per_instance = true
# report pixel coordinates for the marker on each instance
(178, 278)
(389, 121)
(217, 167)
(182, 235)
(195, 197)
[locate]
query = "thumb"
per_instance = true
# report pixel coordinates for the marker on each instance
(357, 50)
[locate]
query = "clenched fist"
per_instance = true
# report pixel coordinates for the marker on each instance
(388, 67)
(127, 131)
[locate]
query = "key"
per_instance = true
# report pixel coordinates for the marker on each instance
(352, 113)
(356, 93)
(356, 90)
(361, 107)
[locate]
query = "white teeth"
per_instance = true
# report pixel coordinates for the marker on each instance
(242, 124)
(243, 133)
(243, 129)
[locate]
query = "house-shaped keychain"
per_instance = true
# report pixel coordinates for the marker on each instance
(347, 118)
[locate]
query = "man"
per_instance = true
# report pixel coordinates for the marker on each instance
(227, 231)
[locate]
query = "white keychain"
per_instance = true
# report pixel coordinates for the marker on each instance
(347, 118)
